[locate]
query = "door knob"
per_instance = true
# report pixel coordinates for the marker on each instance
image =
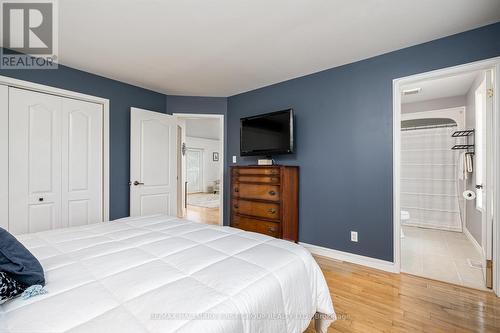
(138, 183)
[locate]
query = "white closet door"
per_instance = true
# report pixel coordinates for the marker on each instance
(34, 161)
(4, 161)
(81, 162)
(153, 163)
(55, 162)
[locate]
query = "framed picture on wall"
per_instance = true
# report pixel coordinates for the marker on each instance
(215, 156)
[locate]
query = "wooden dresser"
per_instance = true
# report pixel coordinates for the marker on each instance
(265, 199)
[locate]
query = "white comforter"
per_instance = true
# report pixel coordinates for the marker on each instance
(163, 274)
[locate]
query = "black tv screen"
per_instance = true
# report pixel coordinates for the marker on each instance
(267, 134)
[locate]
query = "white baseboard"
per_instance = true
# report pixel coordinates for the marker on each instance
(474, 242)
(350, 257)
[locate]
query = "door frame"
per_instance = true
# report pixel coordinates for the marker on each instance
(397, 84)
(27, 85)
(222, 156)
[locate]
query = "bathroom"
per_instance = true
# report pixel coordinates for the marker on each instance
(444, 163)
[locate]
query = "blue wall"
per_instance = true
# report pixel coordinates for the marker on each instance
(195, 104)
(344, 137)
(122, 96)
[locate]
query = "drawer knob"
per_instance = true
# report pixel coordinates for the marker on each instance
(40, 199)
(272, 193)
(271, 229)
(236, 206)
(272, 211)
(236, 189)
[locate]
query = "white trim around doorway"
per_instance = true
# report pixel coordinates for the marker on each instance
(493, 64)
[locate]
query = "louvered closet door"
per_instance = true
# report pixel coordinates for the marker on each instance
(55, 162)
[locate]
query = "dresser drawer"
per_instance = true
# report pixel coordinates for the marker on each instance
(257, 191)
(257, 209)
(256, 171)
(257, 179)
(264, 227)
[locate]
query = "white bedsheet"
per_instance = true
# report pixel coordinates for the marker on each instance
(159, 274)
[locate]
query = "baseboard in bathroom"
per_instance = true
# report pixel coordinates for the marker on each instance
(474, 242)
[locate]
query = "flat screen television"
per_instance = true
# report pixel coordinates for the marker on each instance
(267, 134)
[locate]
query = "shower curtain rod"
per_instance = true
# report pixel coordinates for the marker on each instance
(411, 128)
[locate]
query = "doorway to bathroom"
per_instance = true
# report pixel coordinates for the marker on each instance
(444, 184)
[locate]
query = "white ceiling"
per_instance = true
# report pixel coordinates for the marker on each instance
(224, 47)
(207, 128)
(457, 85)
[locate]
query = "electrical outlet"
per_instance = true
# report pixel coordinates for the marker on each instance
(234, 159)
(354, 236)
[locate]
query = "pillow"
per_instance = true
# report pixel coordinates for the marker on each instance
(18, 262)
(9, 288)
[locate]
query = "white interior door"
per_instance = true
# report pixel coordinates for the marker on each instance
(55, 162)
(480, 145)
(483, 162)
(34, 161)
(153, 163)
(181, 160)
(4, 162)
(81, 162)
(194, 170)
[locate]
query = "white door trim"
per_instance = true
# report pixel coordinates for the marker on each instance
(493, 63)
(27, 85)
(221, 154)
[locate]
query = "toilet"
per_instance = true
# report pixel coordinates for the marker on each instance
(404, 217)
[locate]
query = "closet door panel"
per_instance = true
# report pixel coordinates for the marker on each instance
(34, 161)
(4, 161)
(81, 162)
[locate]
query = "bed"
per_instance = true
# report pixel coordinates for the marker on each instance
(164, 274)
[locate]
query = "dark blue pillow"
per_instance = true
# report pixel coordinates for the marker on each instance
(18, 262)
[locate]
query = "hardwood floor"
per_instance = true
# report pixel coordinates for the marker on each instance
(203, 214)
(368, 300)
